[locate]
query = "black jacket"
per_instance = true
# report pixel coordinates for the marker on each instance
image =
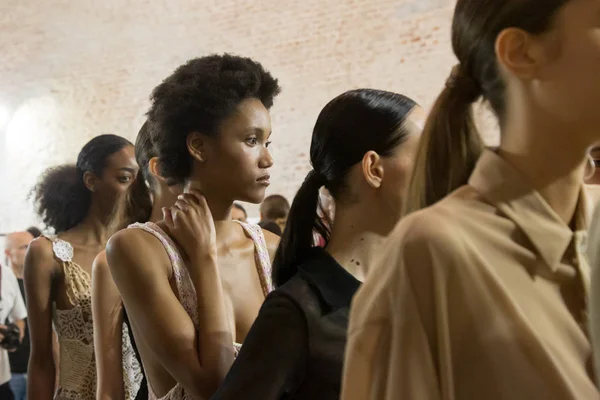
(295, 349)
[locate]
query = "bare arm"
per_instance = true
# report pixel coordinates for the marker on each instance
(190, 223)
(139, 266)
(107, 311)
(39, 271)
(18, 312)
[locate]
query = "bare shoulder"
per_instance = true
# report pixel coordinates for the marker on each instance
(41, 247)
(40, 255)
(136, 248)
(100, 265)
(272, 242)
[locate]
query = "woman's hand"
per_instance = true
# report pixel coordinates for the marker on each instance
(191, 225)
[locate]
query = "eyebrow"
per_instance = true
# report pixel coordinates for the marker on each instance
(132, 170)
(259, 131)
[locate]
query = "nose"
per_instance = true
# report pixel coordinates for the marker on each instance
(265, 161)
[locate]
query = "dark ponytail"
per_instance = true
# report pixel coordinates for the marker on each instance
(298, 234)
(349, 126)
(450, 145)
(61, 198)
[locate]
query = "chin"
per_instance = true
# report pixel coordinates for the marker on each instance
(253, 197)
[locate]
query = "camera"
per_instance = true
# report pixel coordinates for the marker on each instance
(11, 337)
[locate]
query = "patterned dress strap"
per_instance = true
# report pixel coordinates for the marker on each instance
(185, 290)
(263, 260)
(77, 280)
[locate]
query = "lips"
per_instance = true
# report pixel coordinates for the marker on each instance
(264, 180)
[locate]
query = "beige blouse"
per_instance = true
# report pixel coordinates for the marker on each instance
(593, 252)
(481, 296)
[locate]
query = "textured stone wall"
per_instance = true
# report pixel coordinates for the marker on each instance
(73, 69)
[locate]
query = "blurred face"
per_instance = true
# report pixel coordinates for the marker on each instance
(16, 247)
(595, 178)
(569, 82)
(398, 167)
(119, 173)
(237, 160)
(164, 194)
(238, 215)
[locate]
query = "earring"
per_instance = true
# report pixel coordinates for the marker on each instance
(590, 168)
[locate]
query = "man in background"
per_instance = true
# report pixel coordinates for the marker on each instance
(35, 231)
(12, 310)
(16, 247)
(274, 208)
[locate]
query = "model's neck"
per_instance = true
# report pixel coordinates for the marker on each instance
(93, 230)
(549, 152)
(354, 241)
(220, 208)
(554, 167)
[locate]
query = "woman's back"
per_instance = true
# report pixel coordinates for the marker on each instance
(70, 268)
(76, 201)
(245, 269)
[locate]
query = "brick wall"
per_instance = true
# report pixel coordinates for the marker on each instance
(72, 70)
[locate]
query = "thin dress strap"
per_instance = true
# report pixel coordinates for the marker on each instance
(263, 260)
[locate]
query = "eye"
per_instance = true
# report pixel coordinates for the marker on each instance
(252, 141)
(124, 179)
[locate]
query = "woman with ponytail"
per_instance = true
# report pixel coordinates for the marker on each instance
(120, 375)
(482, 295)
(78, 202)
(362, 152)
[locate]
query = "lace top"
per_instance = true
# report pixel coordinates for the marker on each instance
(187, 293)
(74, 328)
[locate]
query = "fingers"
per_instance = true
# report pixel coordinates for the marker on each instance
(198, 196)
(168, 217)
(182, 205)
(192, 200)
(194, 197)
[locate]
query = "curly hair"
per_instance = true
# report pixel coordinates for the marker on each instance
(61, 198)
(197, 97)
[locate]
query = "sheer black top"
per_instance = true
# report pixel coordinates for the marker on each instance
(295, 349)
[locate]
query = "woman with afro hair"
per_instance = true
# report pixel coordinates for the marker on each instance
(192, 284)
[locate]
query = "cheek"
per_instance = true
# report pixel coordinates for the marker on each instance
(398, 177)
(238, 163)
(577, 72)
(113, 189)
